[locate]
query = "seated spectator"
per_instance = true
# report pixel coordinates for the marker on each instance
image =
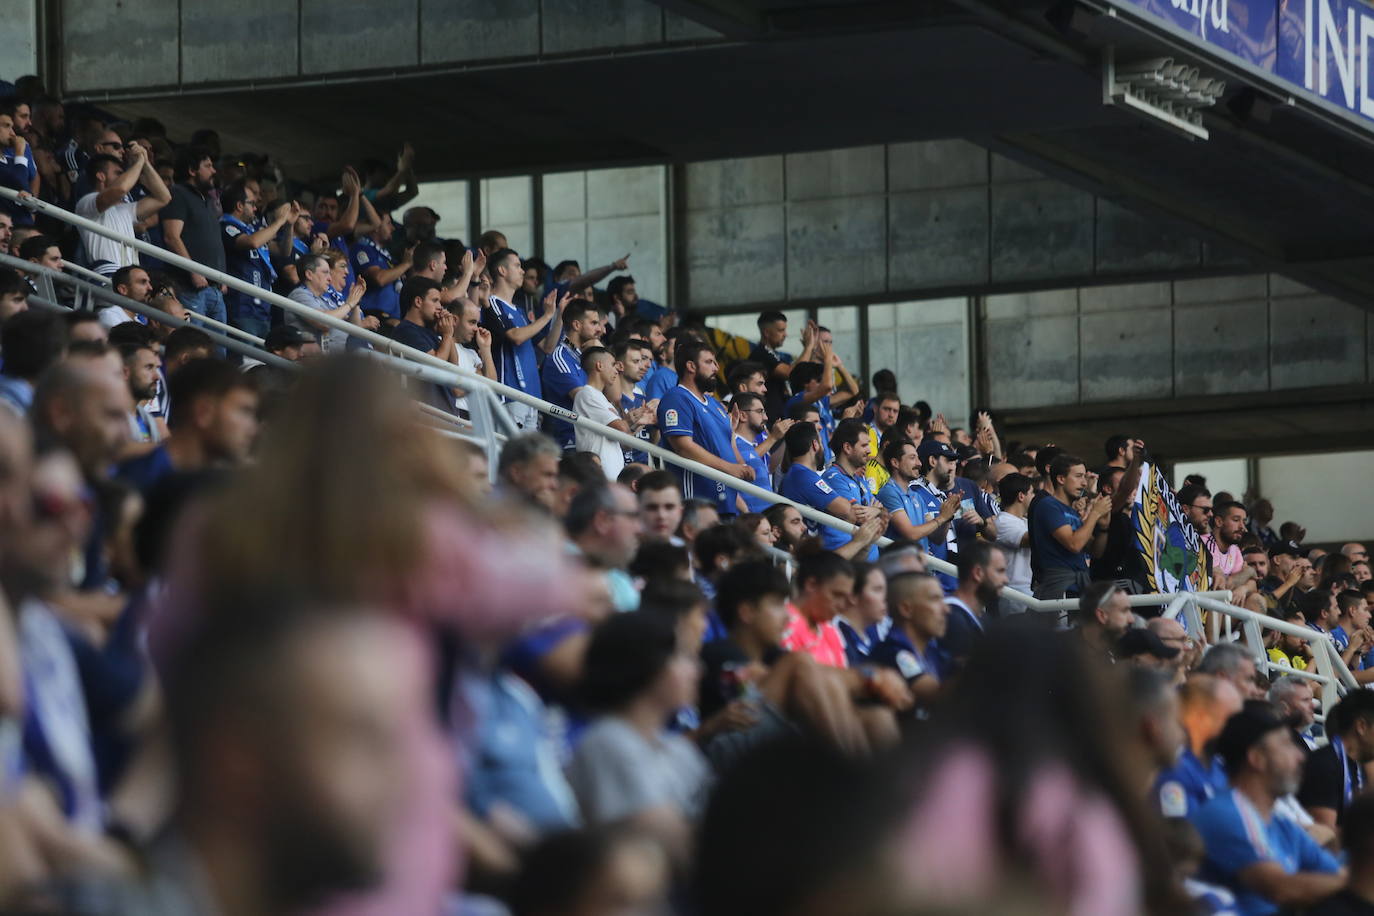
(803, 483)
(528, 469)
(140, 375)
(789, 528)
(659, 559)
(603, 524)
(1293, 699)
(845, 477)
(627, 765)
(1140, 648)
(1335, 774)
(697, 515)
(83, 325)
(314, 289)
(982, 571)
(111, 204)
(907, 516)
(754, 525)
(660, 506)
(1290, 650)
(594, 401)
(714, 551)
(213, 422)
(1357, 899)
(1232, 662)
(919, 619)
(1187, 851)
(1159, 726)
(1061, 538)
(32, 343)
(1104, 615)
(589, 871)
(824, 582)
(1267, 861)
(1206, 702)
(14, 293)
(859, 622)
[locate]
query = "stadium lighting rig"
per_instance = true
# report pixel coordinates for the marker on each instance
(1163, 90)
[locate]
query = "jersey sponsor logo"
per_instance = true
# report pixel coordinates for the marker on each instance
(670, 417)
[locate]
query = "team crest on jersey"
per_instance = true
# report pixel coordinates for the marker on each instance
(670, 417)
(909, 665)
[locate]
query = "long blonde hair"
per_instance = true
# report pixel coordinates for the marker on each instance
(336, 503)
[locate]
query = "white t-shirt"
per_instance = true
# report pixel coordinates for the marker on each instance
(592, 404)
(119, 218)
(112, 316)
(1010, 530)
(469, 360)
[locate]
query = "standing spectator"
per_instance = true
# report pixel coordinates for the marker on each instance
(14, 293)
(1266, 860)
(982, 573)
(1197, 503)
(32, 342)
(886, 408)
(633, 357)
(190, 228)
(1335, 774)
(246, 254)
(17, 169)
(812, 384)
(562, 375)
(934, 489)
(1121, 451)
(695, 425)
(514, 336)
(776, 364)
(372, 262)
(430, 328)
(907, 517)
(846, 477)
(111, 204)
(1261, 514)
(753, 441)
(1013, 532)
(473, 350)
(623, 299)
(528, 469)
(1207, 702)
(593, 401)
(920, 619)
(660, 505)
(316, 277)
(804, 484)
(213, 421)
(1061, 537)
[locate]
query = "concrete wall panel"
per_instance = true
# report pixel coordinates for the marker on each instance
(214, 35)
(1124, 296)
(938, 238)
(736, 256)
(1032, 363)
(1127, 241)
(625, 192)
(357, 35)
(1127, 355)
(109, 44)
(19, 37)
(1221, 349)
(734, 182)
(1317, 340)
(836, 247)
(1221, 289)
(458, 30)
(935, 164)
(680, 28)
(565, 196)
(1040, 304)
(639, 236)
(580, 25)
(836, 173)
(1040, 229)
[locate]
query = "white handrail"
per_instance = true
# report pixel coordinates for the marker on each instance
(87, 273)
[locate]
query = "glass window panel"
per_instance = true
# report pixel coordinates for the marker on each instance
(450, 200)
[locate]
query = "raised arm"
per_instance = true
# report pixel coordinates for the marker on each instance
(595, 276)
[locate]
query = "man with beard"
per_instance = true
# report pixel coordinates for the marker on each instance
(695, 425)
(982, 573)
(754, 442)
(920, 618)
(562, 374)
(788, 526)
(632, 359)
(1104, 616)
(1223, 543)
(1267, 861)
(932, 491)
(140, 372)
(190, 228)
(1060, 537)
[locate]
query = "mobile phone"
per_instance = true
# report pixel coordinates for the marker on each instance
(966, 506)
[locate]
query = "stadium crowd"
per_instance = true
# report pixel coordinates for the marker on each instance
(272, 644)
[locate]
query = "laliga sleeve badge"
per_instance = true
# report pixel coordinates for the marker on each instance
(1173, 801)
(670, 417)
(823, 487)
(909, 665)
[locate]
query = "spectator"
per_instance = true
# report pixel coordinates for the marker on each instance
(514, 335)
(1232, 662)
(907, 518)
(140, 375)
(1196, 501)
(391, 193)
(1062, 539)
(920, 619)
(576, 872)
(593, 402)
(934, 489)
(1140, 648)
(246, 253)
(663, 377)
(633, 357)
(1013, 531)
(982, 573)
(110, 203)
(1357, 899)
(1267, 861)
(746, 376)
(1207, 702)
(190, 228)
(887, 407)
(804, 484)
(1187, 851)
(695, 425)
(1173, 635)
(316, 277)
(1223, 543)
(41, 250)
(1335, 774)
(1320, 610)
(6, 231)
(528, 469)
(754, 525)
(777, 365)
(623, 298)
(1293, 699)
(753, 441)
(603, 524)
(17, 167)
(660, 505)
(697, 516)
(1121, 451)
(1157, 712)
(213, 422)
(427, 326)
(824, 582)
(1104, 616)
(372, 262)
(627, 765)
(31, 342)
(858, 623)
(562, 375)
(14, 293)
(789, 528)
(811, 381)
(1261, 514)
(131, 283)
(567, 276)
(846, 477)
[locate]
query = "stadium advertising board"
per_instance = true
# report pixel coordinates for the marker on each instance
(1318, 47)
(1171, 551)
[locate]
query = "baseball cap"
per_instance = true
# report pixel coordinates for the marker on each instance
(934, 448)
(1290, 548)
(1244, 730)
(1140, 641)
(285, 335)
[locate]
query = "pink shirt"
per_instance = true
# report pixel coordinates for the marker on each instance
(1225, 563)
(821, 641)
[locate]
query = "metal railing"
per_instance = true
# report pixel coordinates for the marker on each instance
(489, 420)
